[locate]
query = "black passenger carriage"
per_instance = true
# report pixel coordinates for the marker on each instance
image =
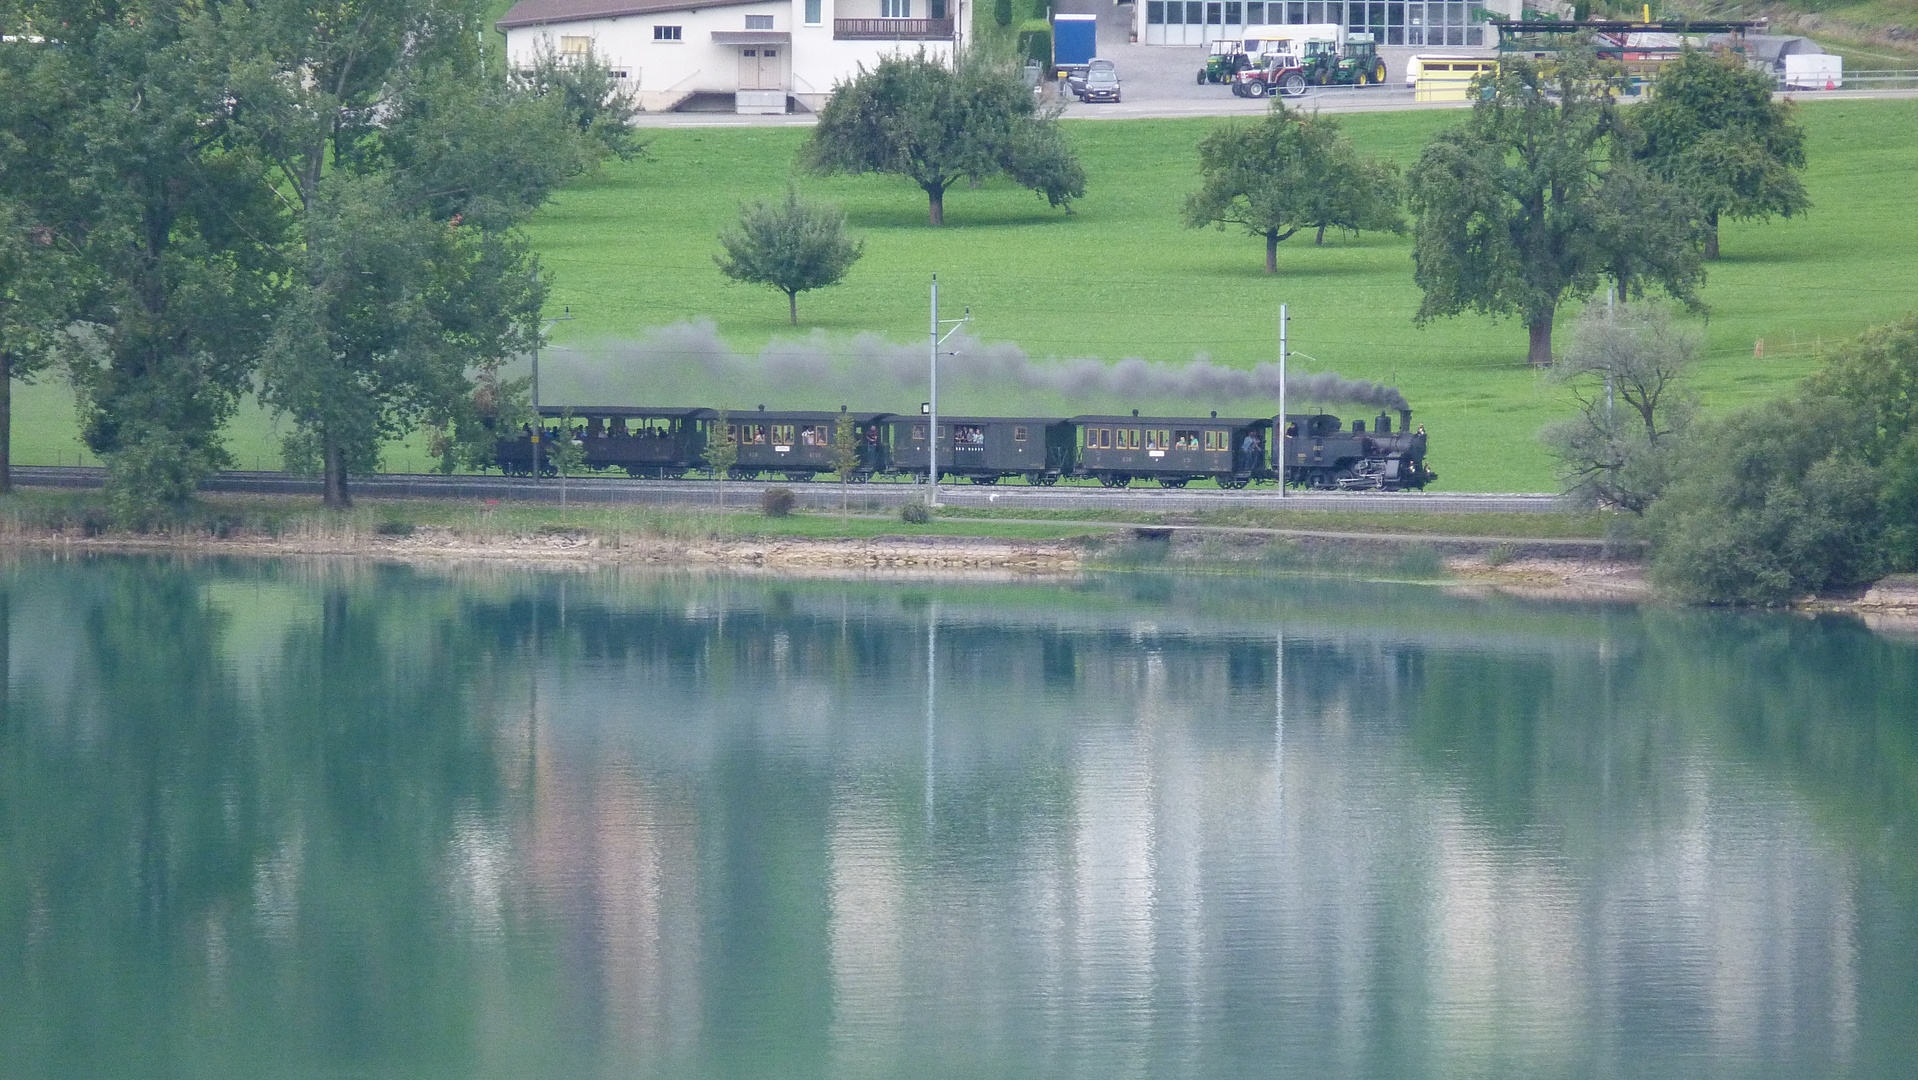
(986, 449)
(1319, 452)
(798, 445)
(1117, 450)
(649, 442)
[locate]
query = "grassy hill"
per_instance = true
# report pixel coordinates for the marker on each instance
(631, 250)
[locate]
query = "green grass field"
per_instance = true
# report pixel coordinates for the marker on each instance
(631, 249)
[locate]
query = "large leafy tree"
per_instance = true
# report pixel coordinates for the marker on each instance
(174, 215)
(1712, 128)
(408, 169)
(1291, 171)
(915, 117)
(41, 284)
(793, 246)
(1531, 202)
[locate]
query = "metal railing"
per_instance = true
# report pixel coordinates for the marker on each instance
(892, 29)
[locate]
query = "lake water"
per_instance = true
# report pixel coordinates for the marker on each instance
(340, 819)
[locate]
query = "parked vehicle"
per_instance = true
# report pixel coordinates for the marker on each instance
(1814, 71)
(1277, 73)
(1076, 82)
(1357, 64)
(1075, 40)
(1224, 62)
(1448, 68)
(1102, 84)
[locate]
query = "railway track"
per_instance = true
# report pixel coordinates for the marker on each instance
(823, 494)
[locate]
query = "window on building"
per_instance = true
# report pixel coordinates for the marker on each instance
(813, 13)
(1018, 433)
(759, 22)
(666, 33)
(895, 9)
(1155, 12)
(575, 48)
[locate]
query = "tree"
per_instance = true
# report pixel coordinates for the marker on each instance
(845, 456)
(1712, 128)
(722, 452)
(1626, 372)
(1289, 172)
(176, 221)
(1524, 205)
(912, 116)
(1769, 506)
(793, 246)
(1800, 495)
(592, 96)
(409, 169)
(567, 453)
(41, 283)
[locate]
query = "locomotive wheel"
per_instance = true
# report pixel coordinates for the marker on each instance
(859, 478)
(1231, 483)
(799, 477)
(985, 479)
(1045, 479)
(1172, 481)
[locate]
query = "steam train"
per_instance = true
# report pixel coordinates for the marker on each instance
(1318, 450)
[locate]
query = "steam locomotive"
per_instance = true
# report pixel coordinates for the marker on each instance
(1317, 450)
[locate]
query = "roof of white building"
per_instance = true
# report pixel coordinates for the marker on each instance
(539, 12)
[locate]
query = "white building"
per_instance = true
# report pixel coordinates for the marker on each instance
(1447, 24)
(768, 55)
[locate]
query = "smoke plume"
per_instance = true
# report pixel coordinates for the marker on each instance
(686, 363)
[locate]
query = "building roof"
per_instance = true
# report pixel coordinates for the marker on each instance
(541, 12)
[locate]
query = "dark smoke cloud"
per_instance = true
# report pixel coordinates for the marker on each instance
(687, 363)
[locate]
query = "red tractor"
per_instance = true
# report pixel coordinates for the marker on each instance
(1275, 73)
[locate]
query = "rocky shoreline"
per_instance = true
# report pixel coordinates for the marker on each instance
(1891, 603)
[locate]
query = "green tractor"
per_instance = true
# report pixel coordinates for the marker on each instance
(1226, 59)
(1358, 64)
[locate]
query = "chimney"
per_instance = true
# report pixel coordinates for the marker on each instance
(1383, 425)
(1405, 420)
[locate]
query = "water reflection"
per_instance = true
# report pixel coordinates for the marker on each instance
(335, 817)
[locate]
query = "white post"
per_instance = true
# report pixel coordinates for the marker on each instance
(932, 424)
(1279, 448)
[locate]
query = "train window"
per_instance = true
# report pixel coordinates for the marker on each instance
(1185, 440)
(918, 433)
(1132, 439)
(1018, 433)
(782, 434)
(1152, 440)
(813, 435)
(969, 435)
(1103, 438)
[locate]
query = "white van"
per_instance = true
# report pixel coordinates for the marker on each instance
(1452, 66)
(1814, 71)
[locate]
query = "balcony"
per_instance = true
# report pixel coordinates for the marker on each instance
(892, 29)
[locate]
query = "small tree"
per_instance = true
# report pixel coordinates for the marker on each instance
(591, 94)
(1527, 204)
(567, 454)
(722, 451)
(1626, 371)
(793, 246)
(1713, 128)
(845, 456)
(1289, 172)
(912, 116)
(1002, 12)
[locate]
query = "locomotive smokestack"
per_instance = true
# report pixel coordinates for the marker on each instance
(1405, 420)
